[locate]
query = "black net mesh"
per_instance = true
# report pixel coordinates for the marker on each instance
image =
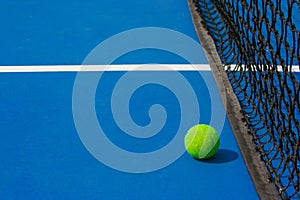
(258, 41)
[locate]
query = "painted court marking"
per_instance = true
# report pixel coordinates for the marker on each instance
(136, 67)
(123, 67)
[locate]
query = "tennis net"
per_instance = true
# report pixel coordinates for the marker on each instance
(258, 42)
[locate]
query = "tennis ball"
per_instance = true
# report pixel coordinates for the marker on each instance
(202, 141)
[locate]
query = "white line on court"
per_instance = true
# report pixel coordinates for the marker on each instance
(124, 67)
(135, 67)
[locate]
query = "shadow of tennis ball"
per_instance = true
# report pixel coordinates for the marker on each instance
(223, 156)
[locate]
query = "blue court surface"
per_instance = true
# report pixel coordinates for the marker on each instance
(115, 130)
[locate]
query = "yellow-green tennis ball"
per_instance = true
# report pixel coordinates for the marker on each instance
(202, 141)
